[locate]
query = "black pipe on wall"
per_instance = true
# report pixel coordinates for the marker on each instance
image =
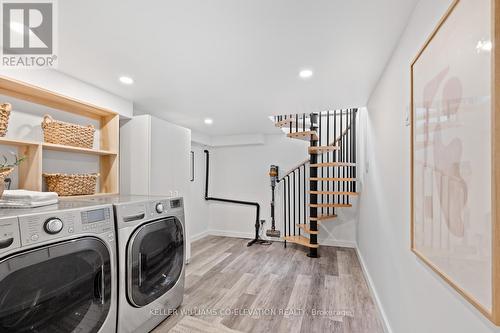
(239, 202)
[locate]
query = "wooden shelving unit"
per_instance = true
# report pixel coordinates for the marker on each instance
(30, 171)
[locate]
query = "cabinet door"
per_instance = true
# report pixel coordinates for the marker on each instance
(170, 149)
(135, 155)
(170, 165)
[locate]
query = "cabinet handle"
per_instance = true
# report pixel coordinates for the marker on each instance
(6, 243)
(134, 217)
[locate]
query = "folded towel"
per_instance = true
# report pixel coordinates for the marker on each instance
(28, 196)
(26, 204)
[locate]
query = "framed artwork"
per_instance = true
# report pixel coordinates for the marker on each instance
(455, 149)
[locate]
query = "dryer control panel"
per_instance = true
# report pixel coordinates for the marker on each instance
(63, 223)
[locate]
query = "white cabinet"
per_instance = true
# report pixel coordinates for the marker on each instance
(155, 160)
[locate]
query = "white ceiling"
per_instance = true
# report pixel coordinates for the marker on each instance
(236, 61)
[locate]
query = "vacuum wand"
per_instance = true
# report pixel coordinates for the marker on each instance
(273, 174)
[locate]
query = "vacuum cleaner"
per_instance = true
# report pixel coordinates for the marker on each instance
(273, 174)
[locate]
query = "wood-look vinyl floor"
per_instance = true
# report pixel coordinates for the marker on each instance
(273, 289)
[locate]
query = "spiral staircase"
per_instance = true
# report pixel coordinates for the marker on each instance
(314, 190)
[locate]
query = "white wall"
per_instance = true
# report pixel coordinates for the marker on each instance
(241, 173)
(414, 299)
(200, 212)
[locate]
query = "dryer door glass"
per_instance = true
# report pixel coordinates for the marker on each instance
(155, 260)
(64, 287)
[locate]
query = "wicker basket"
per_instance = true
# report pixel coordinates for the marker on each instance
(5, 172)
(4, 118)
(68, 185)
(62, 133)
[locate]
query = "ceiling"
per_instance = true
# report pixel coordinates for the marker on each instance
(235, 61)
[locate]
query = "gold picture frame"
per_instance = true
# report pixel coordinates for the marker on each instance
(429, 202)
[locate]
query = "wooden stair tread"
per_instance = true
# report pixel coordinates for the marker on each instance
(306, 229)
(322, 218)
(333, 193)
(333, 164)
(301, 240)
(285, 122)
(322, 149)
(331, 205)
(333, 179)
(307, 135)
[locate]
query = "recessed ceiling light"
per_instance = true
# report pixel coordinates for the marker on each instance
(126, 80)
(306, 74)
(209, 121)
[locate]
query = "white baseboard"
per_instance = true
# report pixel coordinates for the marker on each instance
(199, 236)
(371, 286)
(338, 243)
(226, 233)
(236, 234)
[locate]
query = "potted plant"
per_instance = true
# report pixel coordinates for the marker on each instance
(6, 169)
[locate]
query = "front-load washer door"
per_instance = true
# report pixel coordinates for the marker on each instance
(64, 287)
(155, 258)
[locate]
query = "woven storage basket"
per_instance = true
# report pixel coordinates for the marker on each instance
(5, 172)
(62, 133)
(4, 117)
(74, 184)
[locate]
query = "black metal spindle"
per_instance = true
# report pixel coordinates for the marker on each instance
(298, 206)
(328, 158)
(335, 154)
(342, 148)
(305, 197)
(294, 204)
(284, 208)
(348, 154)
(313, 173)
(354, 151)
(289, 203)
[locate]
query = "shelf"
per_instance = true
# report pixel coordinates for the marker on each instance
(38, 95)
(19, 143)
(89, 196)
(30, 171)
(70, 149)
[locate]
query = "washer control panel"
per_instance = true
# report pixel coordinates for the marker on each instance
(61, 223)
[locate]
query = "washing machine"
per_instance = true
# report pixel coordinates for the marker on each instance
(58, 269)
(151, 250)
